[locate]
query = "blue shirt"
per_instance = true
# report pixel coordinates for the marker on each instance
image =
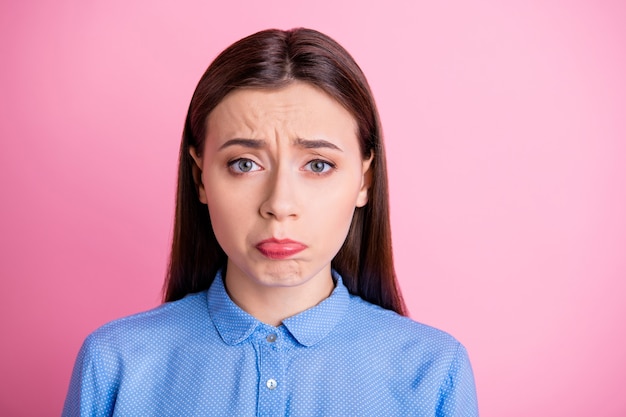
(205, 356)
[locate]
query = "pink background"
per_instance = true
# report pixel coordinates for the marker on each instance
(505, 125)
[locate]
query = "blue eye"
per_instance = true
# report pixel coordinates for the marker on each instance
(243, 165)
(319, 166)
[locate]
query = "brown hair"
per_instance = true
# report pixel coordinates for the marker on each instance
(272, 59)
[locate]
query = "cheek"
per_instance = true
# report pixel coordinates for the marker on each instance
(230, 212)
(229, 226)
(332, 208)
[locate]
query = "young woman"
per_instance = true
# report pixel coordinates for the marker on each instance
(281, 297)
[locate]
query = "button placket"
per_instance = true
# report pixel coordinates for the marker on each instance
(271, 339)
(271, 372)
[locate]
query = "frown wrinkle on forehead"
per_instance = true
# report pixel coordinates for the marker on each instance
(281, 114)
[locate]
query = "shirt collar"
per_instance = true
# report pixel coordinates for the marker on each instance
(309, 327)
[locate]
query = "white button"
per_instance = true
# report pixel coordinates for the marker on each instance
(271, 383)
(271, 337)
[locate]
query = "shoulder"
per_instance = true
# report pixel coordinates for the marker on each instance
(167, 321)
(387, 321)
(133, 351)
(396, 332)
(436, 364)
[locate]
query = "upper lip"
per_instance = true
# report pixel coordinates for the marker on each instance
(280, 241)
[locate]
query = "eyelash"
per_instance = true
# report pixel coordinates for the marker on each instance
(232, 165)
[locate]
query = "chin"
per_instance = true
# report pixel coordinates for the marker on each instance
(284, 274)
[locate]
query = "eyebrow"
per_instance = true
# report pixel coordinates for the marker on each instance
(303, 143)
(316, 144)
(248, 143)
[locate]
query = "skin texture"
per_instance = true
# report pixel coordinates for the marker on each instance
(281, 164)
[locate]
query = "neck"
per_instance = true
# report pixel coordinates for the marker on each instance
(271, 303)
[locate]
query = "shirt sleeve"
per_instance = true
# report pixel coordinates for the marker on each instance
(93, 387)
(457, 395)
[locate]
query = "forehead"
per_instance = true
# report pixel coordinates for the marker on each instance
(298, 108)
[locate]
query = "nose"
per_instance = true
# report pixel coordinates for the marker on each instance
(281, 200)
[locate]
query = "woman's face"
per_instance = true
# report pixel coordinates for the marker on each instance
(282, 173)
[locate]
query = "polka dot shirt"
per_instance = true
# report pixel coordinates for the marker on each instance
(205, 356)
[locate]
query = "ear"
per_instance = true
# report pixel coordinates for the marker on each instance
(366, 182)
(197, 174)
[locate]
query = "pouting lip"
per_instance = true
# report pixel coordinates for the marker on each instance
(279, 248)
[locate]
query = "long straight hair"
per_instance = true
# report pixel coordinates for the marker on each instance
(272, 59)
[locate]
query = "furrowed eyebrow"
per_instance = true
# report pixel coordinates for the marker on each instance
(315, 144)
(303, 143)
(248, 143)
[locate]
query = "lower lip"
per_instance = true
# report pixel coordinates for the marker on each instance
(274, 250)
